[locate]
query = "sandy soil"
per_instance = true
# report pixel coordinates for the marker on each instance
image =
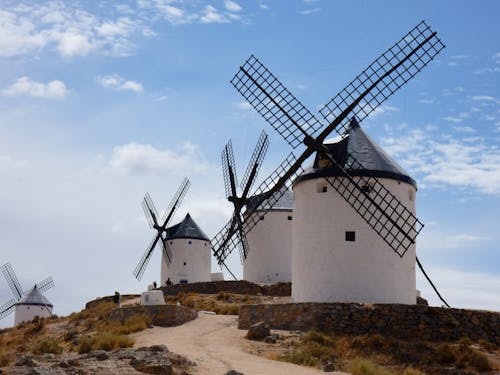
(216, 344)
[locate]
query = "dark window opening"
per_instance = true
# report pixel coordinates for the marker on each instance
(366, 188)
(350, 236)
(261, 218)
(185, 263)
(171, 242)
(183, 281)
(289, 218)
(189, 242)
(324, 190)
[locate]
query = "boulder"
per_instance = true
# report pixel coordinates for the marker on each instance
(258, 331)
(152, 364)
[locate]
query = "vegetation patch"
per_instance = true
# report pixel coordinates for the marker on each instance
(381, 355)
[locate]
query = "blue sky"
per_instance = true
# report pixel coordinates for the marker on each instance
(102, 101)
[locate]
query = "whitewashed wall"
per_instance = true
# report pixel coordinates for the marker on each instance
(190, 261)
(24, 313)
(270, 242)
(327, 268)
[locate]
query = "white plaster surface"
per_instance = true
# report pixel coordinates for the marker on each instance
(327, 268)
(191, 261)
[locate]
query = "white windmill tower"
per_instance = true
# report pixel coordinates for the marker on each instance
(270, 241)
(350, 201)
(29, 304)
(186, 249)
(191, 254)
(349, 256)
(261, 224)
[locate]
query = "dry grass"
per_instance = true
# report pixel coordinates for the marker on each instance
(378, 355)
(106, 341)
(46, 345)
(223, 303)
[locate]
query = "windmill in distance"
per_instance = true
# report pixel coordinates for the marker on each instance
(160, 226)
(377, 206)
(27, 304)
(233, 234)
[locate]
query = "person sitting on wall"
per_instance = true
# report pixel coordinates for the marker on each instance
(168, 282)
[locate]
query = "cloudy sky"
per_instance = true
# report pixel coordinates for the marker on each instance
(102, 101)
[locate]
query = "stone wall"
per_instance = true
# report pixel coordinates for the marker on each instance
(98, 300)
(240, 287)
(161, 315)
(402, 321)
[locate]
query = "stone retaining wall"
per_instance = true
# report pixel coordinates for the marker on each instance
(161, 315)
(98, 300)
(402, 321)
(239, 287)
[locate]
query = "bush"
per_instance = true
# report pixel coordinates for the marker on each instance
(361, 366)
(46, 345)
(445, 354)
(474, 359)
(5, 358)
(85, 345)
(105, 341)
(110, 341)
(413, 371)
(133, 324)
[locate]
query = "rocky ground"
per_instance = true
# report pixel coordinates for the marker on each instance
(156, 359)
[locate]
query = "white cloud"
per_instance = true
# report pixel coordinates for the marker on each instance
(427, 101)
(462, 289)
(8, 162)
(212, 15)
(232, 6)
(66, 28)
(309, 11)
(496, 57)
(116, 82)
(144, 158)
(26, 86)
(485, 98)
(244, 105)
(447, 162)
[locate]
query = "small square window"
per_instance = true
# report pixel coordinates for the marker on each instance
(350, 236)
(321, 187)
(261, 218)
(366, 188)
(185, 263)
(411, 195)
(189, 242)
(289, 218)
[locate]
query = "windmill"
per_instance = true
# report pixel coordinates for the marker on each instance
(26, 304)
(397, 226)
(233, 234)
(160, 226)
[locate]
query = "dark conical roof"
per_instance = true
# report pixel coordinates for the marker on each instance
(34, 297)
(284, 203)
(373, 160)
(187, 228)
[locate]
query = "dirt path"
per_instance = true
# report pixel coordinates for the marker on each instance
(216, 345)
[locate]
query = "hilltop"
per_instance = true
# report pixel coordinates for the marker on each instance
(103, 339)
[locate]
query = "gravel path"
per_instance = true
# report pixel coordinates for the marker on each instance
(216, 344)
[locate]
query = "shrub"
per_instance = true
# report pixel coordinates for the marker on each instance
(35, 326)
(361, 366)
(413, 371)
(69, 335)
(46, 345)
(85, 345)
(133, 324)
(5, 358)
(445, 354)
(110, 341)
(474, 359)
